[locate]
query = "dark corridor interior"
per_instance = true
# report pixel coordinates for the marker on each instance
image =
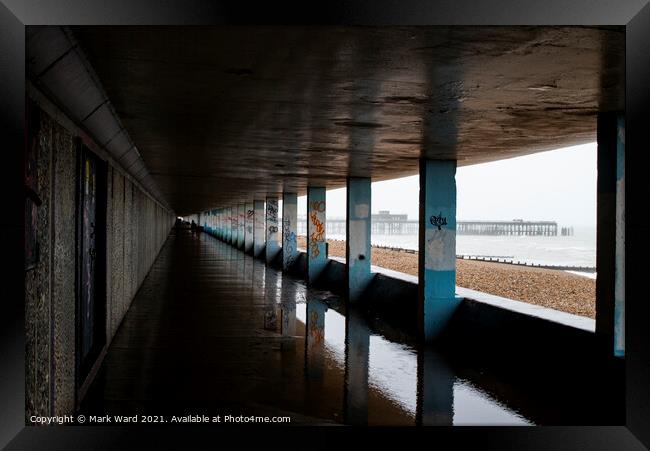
(214, 331)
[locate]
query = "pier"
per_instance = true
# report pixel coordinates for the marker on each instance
(387, 224)
(514, 227)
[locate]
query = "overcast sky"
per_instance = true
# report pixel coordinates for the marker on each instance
(559, 185)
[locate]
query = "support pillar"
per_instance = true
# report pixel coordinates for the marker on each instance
(435, 394)
(289, 224)
(248, 228)
(437, 247)
(619, 282)
(233, 226)
(357, 233)
(357, 359)
(610, 252)
(228, 224)
(316, 251)
(315, 339)
(241, 218)
(218, 224)
(272, 245)
(259, 235)
(222, 232)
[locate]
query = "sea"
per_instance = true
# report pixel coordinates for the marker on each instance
(576, 250)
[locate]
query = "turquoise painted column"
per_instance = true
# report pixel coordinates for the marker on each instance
(220, 223)
(248, 228)
(232, 224)
(241, 217)
(316, 252)
(222, 231)
(610, 236)
(619, 281)
(435, 397)
(235, 226)
(357, 231)
(259, 232)
(357, 358)
(289, 224)
(224, 224)
(272, 245)
(437, 247)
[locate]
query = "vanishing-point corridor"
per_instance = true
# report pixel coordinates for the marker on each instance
(132, 129)
(214, 331)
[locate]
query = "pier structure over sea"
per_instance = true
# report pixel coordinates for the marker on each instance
(387, 224)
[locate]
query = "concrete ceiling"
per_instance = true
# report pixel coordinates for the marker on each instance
(224, 114)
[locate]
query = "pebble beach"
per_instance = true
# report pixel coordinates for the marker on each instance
(554, 289)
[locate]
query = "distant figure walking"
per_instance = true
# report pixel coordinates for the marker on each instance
(193, 226)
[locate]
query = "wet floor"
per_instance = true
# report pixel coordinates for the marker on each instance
(213, 331)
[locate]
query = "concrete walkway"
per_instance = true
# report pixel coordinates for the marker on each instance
(213, 331)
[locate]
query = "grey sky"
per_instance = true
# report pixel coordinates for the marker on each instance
(558, 185)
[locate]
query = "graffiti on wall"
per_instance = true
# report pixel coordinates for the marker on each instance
(250, 214)
(271, 212)
(289, 241)
(317, 236)
(272, 216)
(316, 329)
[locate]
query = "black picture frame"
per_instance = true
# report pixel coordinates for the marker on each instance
(635, 15)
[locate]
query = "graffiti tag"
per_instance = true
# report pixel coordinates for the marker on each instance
(318, 205)
(317, 235)
(438, 221)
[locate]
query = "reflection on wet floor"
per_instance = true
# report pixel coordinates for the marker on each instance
(214, 331)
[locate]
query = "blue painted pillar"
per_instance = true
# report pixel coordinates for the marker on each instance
(316, 252)
(619, 282)
(610, 236)
(241, 217)
(220, 224)
(248, 228)
(226, 224)
(217, 223)
(235, 226)
(437, 247)
(272, 245)
(357, 230)
(435, 397)
(259, 226)
(357, 358)
(232, 233)
(289, 224)
(224, 230)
